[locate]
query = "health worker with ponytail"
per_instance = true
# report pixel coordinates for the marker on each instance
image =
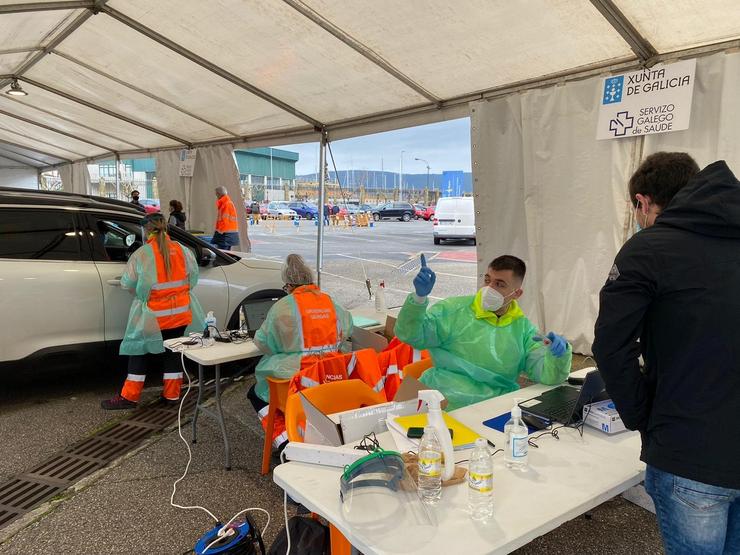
(161, 275)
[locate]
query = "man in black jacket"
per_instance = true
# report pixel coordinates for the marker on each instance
(675, 286)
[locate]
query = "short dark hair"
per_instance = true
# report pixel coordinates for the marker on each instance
(509, 262)
(135, 192)
(661, 176)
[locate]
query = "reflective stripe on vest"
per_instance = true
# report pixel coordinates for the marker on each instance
(169, 298)
(318, 320)
(307, 382)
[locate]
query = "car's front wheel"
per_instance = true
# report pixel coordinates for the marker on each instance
(376, 217)
(406, 217)
(239, 319)
(437, 240)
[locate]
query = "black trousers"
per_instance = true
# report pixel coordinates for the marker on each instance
(141, 364)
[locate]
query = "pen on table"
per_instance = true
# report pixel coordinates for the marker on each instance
(492, 444)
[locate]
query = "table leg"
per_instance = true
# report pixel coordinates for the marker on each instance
(198, 402)
(220, 413)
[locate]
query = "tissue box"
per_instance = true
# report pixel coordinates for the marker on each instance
(603, 416)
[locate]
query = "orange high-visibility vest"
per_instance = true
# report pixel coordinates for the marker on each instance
(357, 365)
(318, 322)
(169, 298)
(392, 362)
(226, 221)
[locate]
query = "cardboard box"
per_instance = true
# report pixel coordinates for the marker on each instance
(350, 426)
(603, 416)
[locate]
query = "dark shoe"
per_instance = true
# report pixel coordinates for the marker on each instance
(169, 402)
(118, 403)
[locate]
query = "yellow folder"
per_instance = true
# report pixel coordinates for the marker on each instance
(462, 436)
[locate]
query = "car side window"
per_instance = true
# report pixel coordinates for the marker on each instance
(112, 241)
(38, 235)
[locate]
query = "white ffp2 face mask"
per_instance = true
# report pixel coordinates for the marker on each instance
(492, 300)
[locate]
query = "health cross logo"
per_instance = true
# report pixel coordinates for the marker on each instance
(621, 124)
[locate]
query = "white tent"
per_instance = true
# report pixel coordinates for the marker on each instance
(132, 77)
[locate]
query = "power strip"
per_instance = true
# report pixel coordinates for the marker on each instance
(325, 455)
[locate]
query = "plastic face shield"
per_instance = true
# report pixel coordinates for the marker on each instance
(380, 501)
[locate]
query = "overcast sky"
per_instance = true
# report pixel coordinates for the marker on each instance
(445, 145)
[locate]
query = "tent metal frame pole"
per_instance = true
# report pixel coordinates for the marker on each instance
(143, 92)
(118, 176)
(20, 50)
(105, 111)
(49, 128)
(53, 145)
(12, 156)
(213, 68)
(322, 200)
(639, 44)
(77, 123)
(68, 30)
(362, 49)
(46, 6)
(50, 155)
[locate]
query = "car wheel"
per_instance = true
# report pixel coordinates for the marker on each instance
(376, 217)
(309, 216)
(474, 241)
(406, 217)
(437, 240)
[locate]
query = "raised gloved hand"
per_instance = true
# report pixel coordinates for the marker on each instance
(425, 279)
(558, 344)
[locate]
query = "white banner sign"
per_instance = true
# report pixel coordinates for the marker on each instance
(655, 100)
(187, 162)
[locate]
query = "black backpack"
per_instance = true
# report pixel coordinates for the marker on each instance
(307, 537)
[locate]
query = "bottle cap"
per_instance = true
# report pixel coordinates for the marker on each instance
(480, 442)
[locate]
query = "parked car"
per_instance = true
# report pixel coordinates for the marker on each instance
(454, 219)
(419, 210)
(280, 208)
(304, 209)
(394, 211)
(61, 259)
(355, 209)
(429, 213)
(150, 205)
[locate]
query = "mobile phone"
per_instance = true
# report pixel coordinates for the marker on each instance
(415, 432)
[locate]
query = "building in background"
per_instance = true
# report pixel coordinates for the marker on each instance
(267, 173)
(139, 174)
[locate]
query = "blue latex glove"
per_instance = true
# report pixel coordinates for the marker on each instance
(425, 279)
(558, 344)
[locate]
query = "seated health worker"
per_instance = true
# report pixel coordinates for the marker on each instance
(305, 323)
(481, 343)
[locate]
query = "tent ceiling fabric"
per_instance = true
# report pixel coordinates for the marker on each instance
(139, 76)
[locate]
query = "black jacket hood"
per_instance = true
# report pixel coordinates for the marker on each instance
(709, 204)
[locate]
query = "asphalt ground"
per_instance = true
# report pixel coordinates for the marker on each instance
(125, 508)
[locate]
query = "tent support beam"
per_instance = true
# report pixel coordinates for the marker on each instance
(50, 155)
(105, 111)
(77, 123)
(145, 93)
(46, 6)
(20, 50)
(322, 201)
(11, 156)
(360, 48)
(53, 145)
(49, 128)
(213, 68)
(639, 44)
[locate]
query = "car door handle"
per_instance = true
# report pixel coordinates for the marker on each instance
(116, 282)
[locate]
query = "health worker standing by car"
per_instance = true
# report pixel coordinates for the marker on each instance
(161, 275)
(227, 227)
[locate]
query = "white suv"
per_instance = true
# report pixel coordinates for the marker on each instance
(61, 256)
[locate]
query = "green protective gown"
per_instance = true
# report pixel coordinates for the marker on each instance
(142, 332)
(477, 355)
(279, 339)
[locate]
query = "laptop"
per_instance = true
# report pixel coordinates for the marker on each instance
(565, 404)
(255, 312)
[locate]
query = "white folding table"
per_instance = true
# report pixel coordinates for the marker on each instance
(567, 477)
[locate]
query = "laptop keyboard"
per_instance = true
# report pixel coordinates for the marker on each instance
(562, 413)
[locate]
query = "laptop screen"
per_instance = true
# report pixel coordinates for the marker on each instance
(255, 313)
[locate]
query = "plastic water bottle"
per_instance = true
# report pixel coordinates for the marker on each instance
(380, 305)
(517, 435)
(209, 330)
(430, 467)
(480, 482)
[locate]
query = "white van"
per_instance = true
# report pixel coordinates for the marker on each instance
(454, 218)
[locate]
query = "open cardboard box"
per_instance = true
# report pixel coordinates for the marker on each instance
(352, 425)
